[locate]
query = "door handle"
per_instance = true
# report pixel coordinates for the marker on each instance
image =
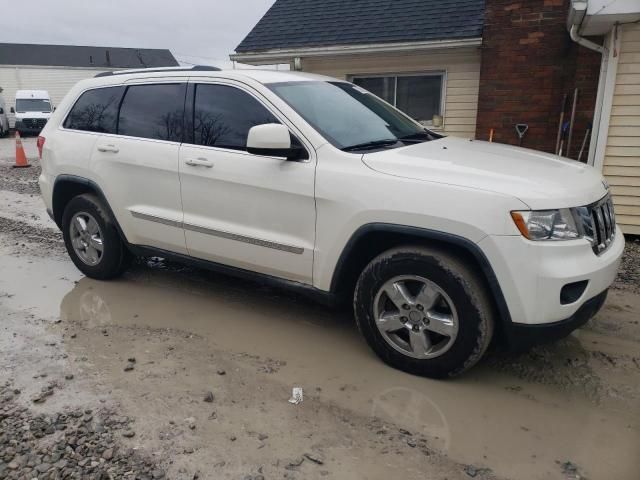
(109, 148)
(199, 162)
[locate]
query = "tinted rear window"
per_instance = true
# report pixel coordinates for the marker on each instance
(95, 111)
(223, 116)
(153, 111)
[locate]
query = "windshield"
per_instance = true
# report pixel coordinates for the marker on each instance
(350, 117)
(32, 105)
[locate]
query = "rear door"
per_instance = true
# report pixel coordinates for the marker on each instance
(243, 210)
(137, 167)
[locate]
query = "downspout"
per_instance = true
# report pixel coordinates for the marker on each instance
(575, 36)
(577, 13)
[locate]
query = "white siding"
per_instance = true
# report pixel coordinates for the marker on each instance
(57, 81)
(622, 155)
(462, 67)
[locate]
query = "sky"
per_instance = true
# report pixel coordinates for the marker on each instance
(196, 31)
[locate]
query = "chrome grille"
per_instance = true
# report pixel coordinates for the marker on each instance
(598, 223)
(34, 122)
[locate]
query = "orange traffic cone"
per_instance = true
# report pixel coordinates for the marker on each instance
(21, 157)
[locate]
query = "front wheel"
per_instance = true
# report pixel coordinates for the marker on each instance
(424, 311)
(92, 239)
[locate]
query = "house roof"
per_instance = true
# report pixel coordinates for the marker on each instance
(316, 23)
(78, 56)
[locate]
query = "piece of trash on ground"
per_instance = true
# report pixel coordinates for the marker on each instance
(296, 396)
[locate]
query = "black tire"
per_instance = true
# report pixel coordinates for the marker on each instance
(462, 286)
(115, 256)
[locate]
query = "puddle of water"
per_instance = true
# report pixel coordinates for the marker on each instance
(35, 285)
(480, 418)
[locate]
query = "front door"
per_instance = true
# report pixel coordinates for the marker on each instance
(247, 211)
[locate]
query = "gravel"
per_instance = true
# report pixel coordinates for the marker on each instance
(629, 273)
(52, 239)
(72, 443)
(20, 180)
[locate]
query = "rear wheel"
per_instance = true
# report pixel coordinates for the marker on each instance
(92, 239)
(423, 311)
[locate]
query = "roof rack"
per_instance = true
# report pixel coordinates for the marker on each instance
(194, 68)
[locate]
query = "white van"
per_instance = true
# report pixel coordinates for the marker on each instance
(33, 109)
(4, 120)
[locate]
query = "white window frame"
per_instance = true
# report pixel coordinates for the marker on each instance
(396, 75)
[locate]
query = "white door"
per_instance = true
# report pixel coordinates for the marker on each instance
(243, 210)
(138, 166)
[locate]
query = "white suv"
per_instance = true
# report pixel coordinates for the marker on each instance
(441, 243)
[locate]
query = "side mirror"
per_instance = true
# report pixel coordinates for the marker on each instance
(13, 110)
(272, 140)
(1, 110)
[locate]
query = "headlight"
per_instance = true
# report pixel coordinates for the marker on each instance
(547, 224)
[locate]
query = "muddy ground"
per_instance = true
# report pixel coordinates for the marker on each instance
(172, 372)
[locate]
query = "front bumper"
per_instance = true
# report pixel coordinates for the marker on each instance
(521, 337)
(532, 275)
(30, 125)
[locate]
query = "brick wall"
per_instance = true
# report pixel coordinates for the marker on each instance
(528, 64)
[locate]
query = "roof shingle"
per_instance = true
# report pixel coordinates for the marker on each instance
(80, 56)
(317, 23)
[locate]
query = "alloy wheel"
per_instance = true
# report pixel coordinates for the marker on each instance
(86, 238)
(416, 317)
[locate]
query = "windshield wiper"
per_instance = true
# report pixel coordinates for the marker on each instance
(420, 136)
(373, 144)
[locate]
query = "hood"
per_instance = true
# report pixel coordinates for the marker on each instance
(540, 180)
(21, 115)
